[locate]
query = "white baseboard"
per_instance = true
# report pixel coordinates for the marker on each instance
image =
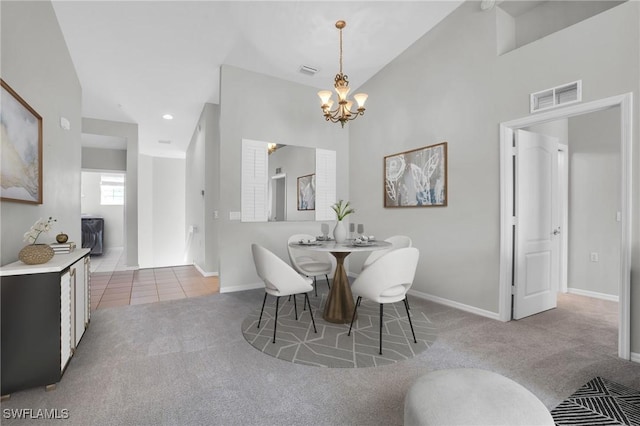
(593, 294)
(204, 273)
(244, 287)
(457, 305)
(635, 357)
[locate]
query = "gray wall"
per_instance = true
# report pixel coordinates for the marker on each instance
(37, 65)
(104, 159)
(451, 86)
(594, 199)
(259, 107)
(128, 131)
(552, 16)
(202, 174)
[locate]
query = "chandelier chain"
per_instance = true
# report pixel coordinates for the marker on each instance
(340, 50)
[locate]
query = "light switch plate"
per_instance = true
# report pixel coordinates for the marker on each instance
(65, 124)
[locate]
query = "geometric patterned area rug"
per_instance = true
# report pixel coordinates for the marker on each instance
(600, 402)
(331, 347)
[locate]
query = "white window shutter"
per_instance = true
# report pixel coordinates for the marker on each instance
(254, 181)
(325, 184)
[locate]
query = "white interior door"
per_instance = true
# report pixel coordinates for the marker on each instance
(537, 242)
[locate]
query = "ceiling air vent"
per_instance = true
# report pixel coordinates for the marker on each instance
(164, 141)
(307, 70)
(557, 96)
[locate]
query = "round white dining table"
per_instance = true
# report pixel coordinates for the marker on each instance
(339, 305)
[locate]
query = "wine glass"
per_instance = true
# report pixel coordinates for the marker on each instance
(324, 228)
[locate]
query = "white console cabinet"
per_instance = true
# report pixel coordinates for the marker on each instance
(44, 314)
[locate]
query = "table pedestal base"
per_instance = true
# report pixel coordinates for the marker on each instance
(339, 306)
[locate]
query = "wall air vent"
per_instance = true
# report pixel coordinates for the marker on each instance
(557, 96)
(307, 70)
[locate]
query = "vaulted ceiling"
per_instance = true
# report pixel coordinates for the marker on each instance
(138, 60)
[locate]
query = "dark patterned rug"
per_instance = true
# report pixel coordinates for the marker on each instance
(331, 347)
(600, 402)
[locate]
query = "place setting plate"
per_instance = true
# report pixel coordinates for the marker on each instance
(309, 243)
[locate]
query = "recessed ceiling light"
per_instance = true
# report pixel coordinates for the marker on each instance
(168, 117)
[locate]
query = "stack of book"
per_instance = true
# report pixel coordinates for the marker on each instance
(62, 248)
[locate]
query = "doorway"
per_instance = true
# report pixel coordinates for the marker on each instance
(103, 204)
(278, 197)
(508, 195)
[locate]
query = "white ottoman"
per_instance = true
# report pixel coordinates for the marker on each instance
(469, 396)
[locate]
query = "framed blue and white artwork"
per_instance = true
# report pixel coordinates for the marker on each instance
(21, 137)
(416, 178)
(307, 192)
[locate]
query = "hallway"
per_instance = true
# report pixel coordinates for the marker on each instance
(113, 285)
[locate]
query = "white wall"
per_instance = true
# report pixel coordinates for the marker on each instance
(203, 174)
(259, 107)
(145, 211)
(451, 86)
(162, 211)
(36, 64)
(113, 215)
(594, 199)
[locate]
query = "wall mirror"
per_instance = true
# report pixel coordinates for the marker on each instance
(286, 182)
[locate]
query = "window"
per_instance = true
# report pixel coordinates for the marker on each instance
(111, 189)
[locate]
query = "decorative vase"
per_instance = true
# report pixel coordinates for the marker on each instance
(62, 238)
(340, 232)
(35, 254)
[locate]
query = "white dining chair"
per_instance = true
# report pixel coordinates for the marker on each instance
(310, 263)
(280, 279)
(387, 281)
(397, 241)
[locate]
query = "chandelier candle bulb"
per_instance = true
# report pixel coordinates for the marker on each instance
(360, 98)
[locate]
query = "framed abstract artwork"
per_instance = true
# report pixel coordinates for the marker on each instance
(21, 137)
(307, 192)
(416, 178)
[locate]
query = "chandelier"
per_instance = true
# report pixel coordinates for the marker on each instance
(343, 112)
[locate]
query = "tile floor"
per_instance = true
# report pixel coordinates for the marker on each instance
(113, 285)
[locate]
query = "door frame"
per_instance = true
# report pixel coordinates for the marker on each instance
(563, 207)
(625, 102)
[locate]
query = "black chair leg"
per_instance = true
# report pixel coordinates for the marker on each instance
(406, 301)
(381, 329)
(275, 324)
(295, 306)
(327, 277)
(261, 310)
(306, 297)
(355, 308)
(406, 305)
(315, 284)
